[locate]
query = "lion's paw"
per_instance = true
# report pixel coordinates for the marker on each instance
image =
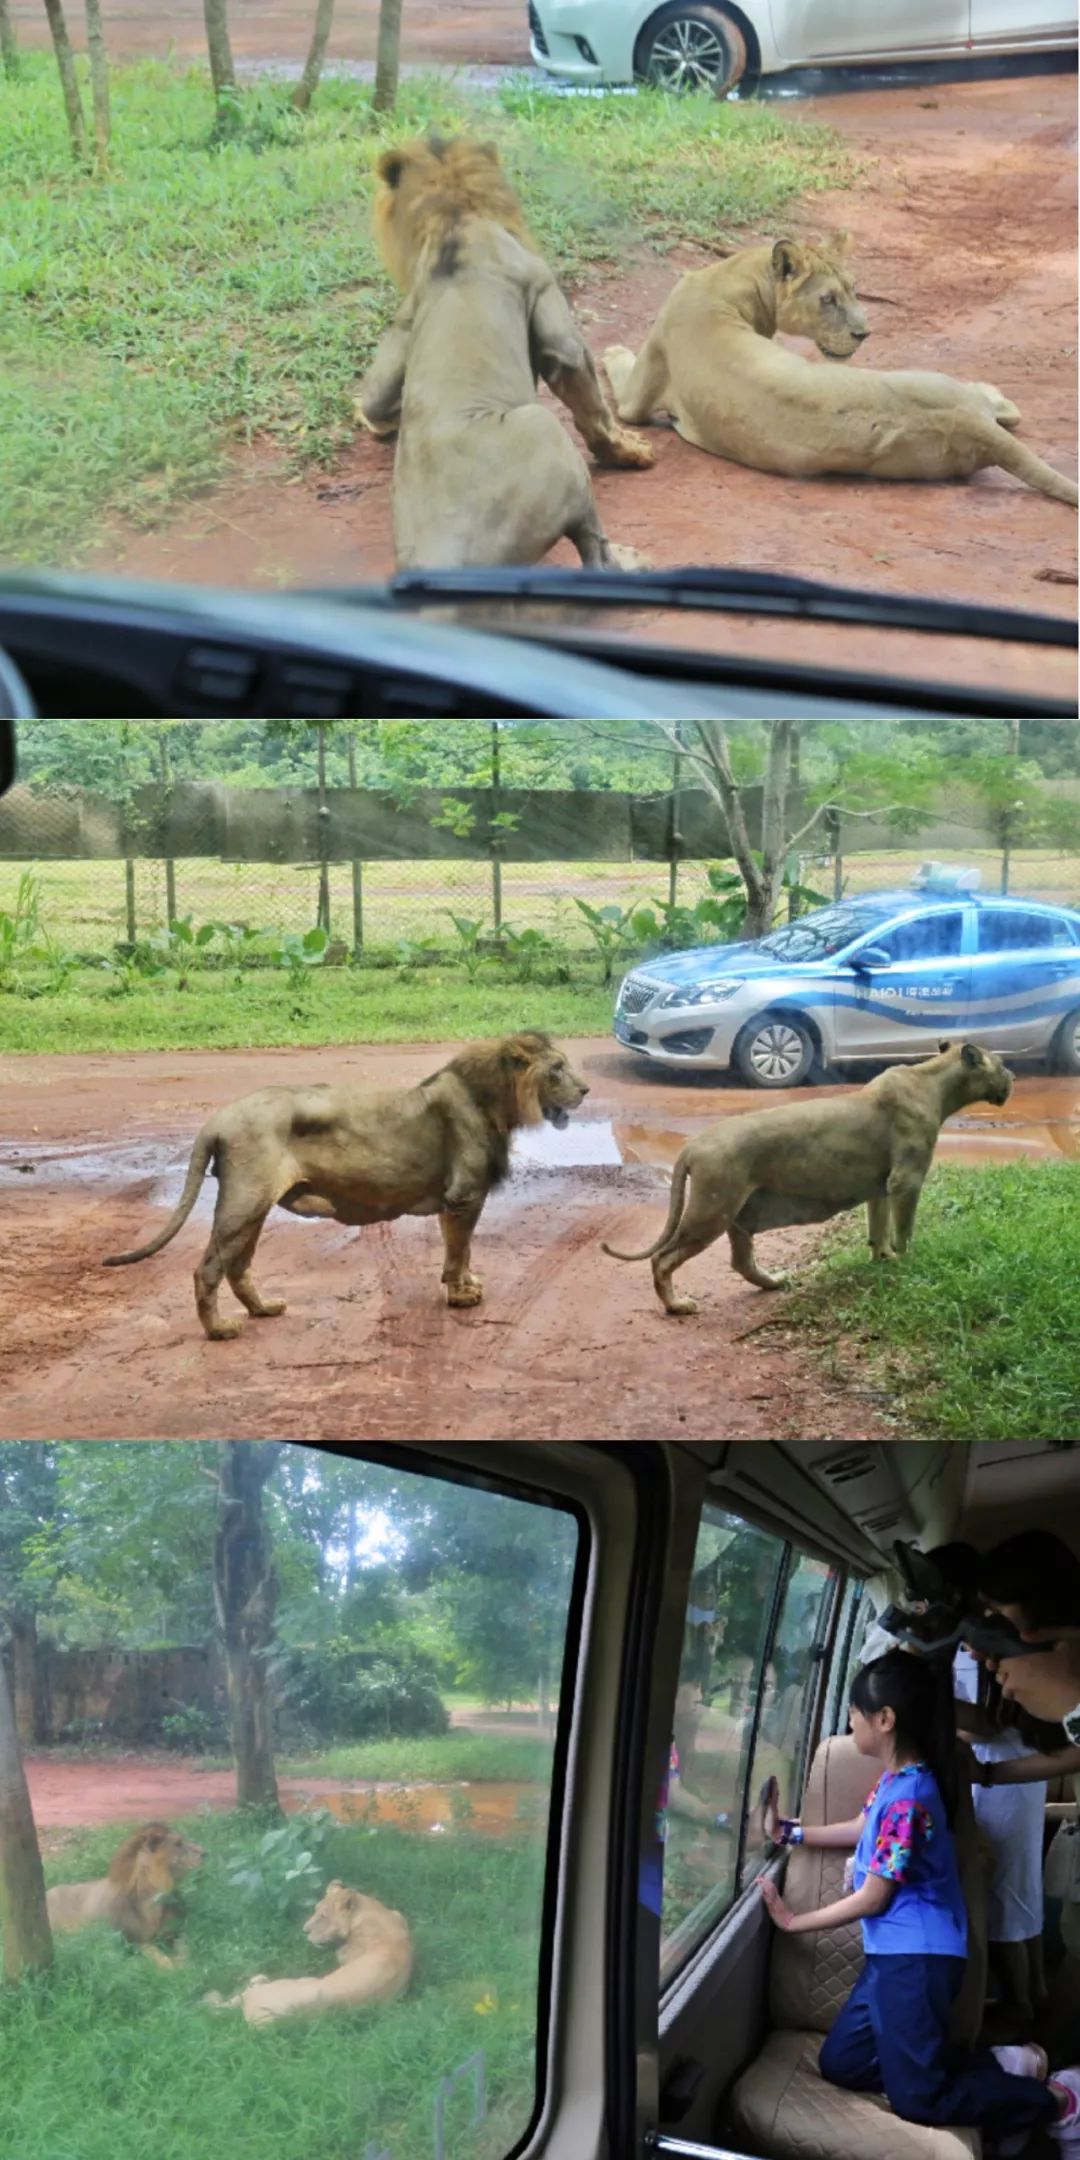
(379, 428)
(629, 558)
(225, 1330)
(629, 450)
(679, 1306)
(468, 1290)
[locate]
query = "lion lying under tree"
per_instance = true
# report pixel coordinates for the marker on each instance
(138, 1895)
(374, 1954)
(709, 360)
(805, 1162)
(366, 1155)
(484, 473)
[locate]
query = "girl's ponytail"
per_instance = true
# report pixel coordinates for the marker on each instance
(919, 1692)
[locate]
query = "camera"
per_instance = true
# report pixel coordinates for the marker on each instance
(937, 1614)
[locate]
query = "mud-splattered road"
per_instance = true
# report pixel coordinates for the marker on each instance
(964, 220)
(568, 1345)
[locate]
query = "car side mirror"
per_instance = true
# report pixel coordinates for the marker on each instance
(870, 958)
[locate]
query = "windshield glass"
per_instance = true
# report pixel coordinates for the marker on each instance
(826, 931)
(210, 233)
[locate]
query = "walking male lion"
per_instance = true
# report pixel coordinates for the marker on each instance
(805, 1162)
(374, 1954)
(483, 472)
(366, 1155)
(138, 1895)
(710, 361)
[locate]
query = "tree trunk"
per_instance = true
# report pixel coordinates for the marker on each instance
(9, 51)
(774, 803)
(387, 56)
(245, 1595)
(26, 1679)
(69, 83)
(313, 65)
(99, 84)
(27, 1936)
(219, 49)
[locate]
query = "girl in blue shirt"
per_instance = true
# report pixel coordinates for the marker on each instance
(892, 2034)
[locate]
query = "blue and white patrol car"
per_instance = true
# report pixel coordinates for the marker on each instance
(878, 977)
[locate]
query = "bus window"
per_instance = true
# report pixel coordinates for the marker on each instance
(850, 1633)
(787, 1702)
(732, 1595)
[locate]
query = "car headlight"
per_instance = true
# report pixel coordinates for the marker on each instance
(706, 993)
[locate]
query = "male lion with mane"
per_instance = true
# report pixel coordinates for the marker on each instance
(374, 1954)
(483, 472)
(806, 1162)
(709, 360)
(138, 1895)
(367, 1155)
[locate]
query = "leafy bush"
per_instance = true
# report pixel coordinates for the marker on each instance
(287, 1870)
(190, 1731)
(334, 1691)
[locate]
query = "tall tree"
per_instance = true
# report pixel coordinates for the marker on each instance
(27, 1936)
(313, 65)
(245, 1594)
(219, 49)
(69, 81)
(99, 84)
(387, 56)
(29, 1504)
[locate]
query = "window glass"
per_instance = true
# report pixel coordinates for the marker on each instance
(1015, 930)
(823, 931)
(925, 937)
(727, 1624)
(850, 1621)
(791, 1675)
(387, 1689)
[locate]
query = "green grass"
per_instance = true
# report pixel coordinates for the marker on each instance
(336, 1005)
(513, 1758)
(973, 1333)
(109, 2055)
(203, 295)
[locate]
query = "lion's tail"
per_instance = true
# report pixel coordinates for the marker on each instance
(201, 1156)
(678, 1193)
(1016, 458)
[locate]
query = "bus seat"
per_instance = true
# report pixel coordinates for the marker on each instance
(781, 2108)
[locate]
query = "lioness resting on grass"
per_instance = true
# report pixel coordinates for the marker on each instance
(710, 362)
(366, 1155)
(805, 1162)
(483, 472)
(374, 1954)
(138, 1895)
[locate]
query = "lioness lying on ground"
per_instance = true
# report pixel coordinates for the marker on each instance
(710, 362)
(138, 1895)
(366, 1155)
(483, 472)
(806, 1162)
(374, 1954)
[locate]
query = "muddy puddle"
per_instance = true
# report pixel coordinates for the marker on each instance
(489, 1808)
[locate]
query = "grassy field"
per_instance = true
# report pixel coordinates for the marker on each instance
(206, 293)
(975, 1330)
(513, 1758)
(109, 2054)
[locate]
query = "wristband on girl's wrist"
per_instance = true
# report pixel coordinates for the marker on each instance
(791, 1833)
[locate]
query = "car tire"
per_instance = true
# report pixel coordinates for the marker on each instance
(692, 47)
(1067, 1044)
(775, 1051)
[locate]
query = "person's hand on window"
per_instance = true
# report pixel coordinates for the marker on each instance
(779, 1913)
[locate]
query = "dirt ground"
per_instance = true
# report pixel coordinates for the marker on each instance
(568, 1345)
(964, 222)
(267, 30)
(68, 1794)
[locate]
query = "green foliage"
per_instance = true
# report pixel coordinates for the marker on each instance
(612, 932)
(189, 1730)
(339, 1691)
(524, 950)
(718, 916)
(973, 1332)
(470, 933)
(285, 1875)
(298, 952)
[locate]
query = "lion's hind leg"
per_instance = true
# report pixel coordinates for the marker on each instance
(638, 385)
(710, 1211)
(228, 1257)
(744, 1263)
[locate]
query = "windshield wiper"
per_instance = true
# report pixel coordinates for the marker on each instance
(729, 592)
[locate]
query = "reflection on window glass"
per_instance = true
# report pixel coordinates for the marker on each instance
(931, 937)
(1011, 930)
(787, 1696)
(727, 1622)
(373, 1660)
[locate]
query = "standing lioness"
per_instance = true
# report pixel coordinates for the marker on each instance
(808, 1161)
(366, 1155)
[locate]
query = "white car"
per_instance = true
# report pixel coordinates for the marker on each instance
(710, 44)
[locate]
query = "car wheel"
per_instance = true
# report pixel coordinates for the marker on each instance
(692, 48)
(774, 1051)
(1067, 1046)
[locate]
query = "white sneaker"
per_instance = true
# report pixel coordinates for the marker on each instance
(1027, 2061)
(1066, 2131)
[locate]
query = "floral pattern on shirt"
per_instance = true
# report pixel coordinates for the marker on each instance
(903, 1824)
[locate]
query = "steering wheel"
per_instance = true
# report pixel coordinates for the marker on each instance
(16, 702)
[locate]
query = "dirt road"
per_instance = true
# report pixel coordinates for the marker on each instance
(66, 1794)
(964, 224)
(267, 30)
(569, 1344)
